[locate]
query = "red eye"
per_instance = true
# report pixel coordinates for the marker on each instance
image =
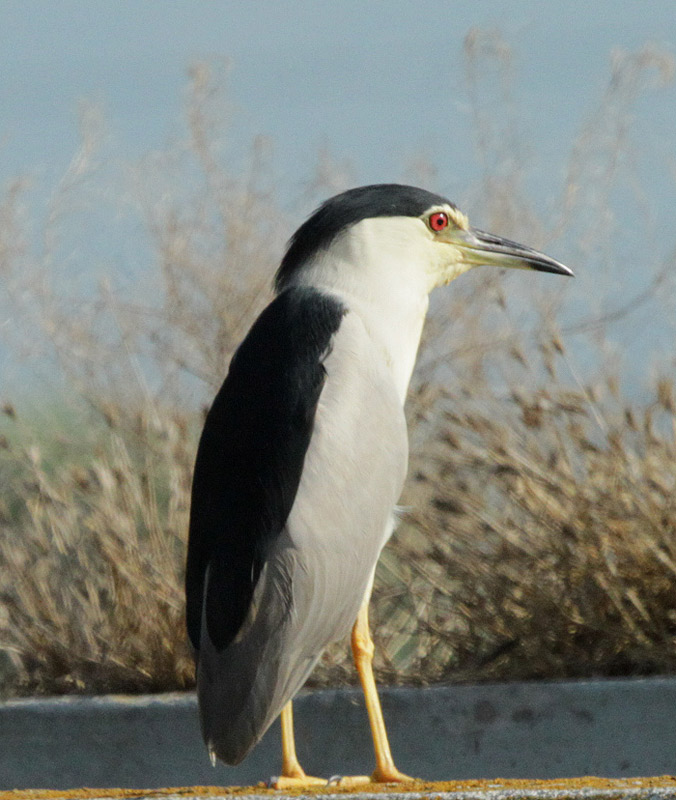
(438, 221)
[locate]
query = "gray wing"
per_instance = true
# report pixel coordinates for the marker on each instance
(318, 569)
(250, 458)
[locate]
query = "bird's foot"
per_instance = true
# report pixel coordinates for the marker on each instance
(380, 775)
(295, 781)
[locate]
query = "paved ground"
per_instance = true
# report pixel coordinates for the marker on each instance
(571, 789)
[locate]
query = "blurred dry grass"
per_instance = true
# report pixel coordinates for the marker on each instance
(540, 536)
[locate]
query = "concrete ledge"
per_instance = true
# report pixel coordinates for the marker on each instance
(617, 728)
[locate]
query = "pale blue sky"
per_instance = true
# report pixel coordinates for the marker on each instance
(378, 83)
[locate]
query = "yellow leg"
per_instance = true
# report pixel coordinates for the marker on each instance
(293, 775)
(362, 651)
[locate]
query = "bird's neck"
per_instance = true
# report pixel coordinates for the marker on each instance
(391, 308)
(395, 327)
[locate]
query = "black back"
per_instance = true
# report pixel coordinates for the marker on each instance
(251, 454)
(348, 208)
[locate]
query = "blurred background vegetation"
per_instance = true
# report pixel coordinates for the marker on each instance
(539, 532)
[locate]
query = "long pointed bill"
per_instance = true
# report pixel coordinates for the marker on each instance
(479, 248)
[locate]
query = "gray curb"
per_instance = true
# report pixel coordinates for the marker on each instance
(617, 728)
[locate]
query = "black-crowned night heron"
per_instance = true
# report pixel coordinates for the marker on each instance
(303, 457)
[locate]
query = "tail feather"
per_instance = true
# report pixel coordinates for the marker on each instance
(235, 716)
(243, 686)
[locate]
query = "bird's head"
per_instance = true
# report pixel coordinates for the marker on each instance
(402, 234)
(459, 247)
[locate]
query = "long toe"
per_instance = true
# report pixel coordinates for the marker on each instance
(389, 775)
(292, 782)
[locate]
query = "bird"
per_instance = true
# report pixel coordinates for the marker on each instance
(303, 457)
